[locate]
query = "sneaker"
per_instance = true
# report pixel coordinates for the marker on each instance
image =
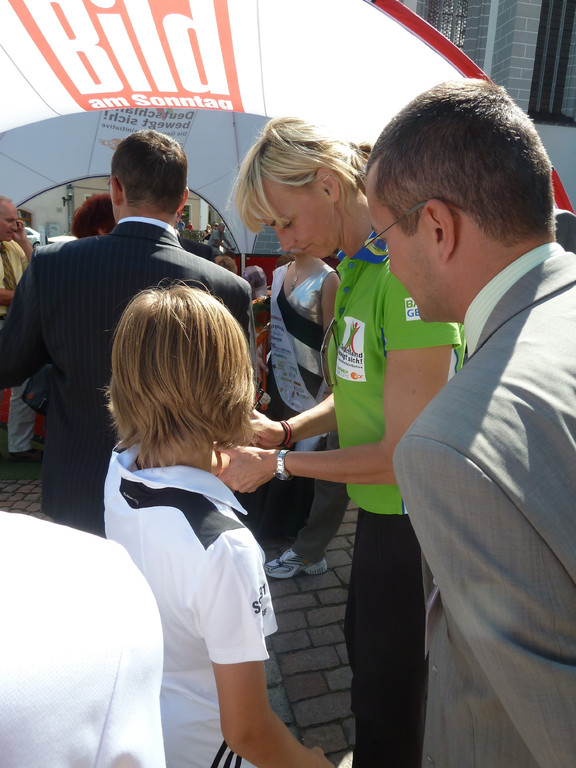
(289, 564)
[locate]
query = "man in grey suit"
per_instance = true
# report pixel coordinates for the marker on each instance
(487, 471)
(68, 303)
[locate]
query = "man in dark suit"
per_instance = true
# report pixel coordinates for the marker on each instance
(199, 249)
(69, 301)
(462, 186)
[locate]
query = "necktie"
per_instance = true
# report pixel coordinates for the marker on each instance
(9, 277)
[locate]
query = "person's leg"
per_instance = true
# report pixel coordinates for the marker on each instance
(21, 420)
(384, 631)
(327, 510)
(326, 514)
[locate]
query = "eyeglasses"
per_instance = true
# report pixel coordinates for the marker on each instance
(324, 364)
(407, 213)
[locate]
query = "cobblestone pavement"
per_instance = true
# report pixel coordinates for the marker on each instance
(308, 674)
(21, 496)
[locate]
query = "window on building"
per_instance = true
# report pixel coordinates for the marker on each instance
(554, 75)
(26, 216)
(449, 17)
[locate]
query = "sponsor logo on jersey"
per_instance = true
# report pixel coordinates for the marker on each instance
(411, 309)
(350, 360)
(257, 606)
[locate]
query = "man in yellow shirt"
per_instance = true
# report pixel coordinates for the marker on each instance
(15, 250)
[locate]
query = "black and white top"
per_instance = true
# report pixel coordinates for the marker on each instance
(205, 570)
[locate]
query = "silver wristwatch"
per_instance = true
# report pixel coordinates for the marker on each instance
(281, 471)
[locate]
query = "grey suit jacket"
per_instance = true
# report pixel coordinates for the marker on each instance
(488, 475)
(65, 311)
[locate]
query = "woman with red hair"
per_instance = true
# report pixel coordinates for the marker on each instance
(94, 217)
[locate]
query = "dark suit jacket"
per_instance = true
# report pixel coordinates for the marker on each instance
(200, 249)
(65, 311)
(487, 475)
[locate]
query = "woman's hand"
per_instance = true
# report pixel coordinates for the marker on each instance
(269, 434)
(249, 468)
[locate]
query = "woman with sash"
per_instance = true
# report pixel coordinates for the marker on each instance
(301, 309)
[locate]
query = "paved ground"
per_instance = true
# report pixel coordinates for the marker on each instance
(308, 674)
(20, 496)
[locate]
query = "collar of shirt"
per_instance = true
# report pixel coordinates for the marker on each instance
(145, 220)
(376, 253)
(484, 302)
(186, 478)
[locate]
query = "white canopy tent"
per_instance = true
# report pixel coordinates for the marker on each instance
(78, 75)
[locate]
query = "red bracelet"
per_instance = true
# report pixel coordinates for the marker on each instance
(287, 434)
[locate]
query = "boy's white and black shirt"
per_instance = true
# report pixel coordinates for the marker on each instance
(205, 569)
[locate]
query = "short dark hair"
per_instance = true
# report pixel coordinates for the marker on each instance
(152, 169)
(467, 143)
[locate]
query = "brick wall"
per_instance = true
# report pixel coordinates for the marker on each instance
(515, 47)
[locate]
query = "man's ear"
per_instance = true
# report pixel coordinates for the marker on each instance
(440, 224)
(184, 200)
(116, 191)
(329, 184)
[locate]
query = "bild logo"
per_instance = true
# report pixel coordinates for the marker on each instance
(137, 53)
(411, 309)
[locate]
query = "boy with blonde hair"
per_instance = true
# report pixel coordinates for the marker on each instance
(181, 382)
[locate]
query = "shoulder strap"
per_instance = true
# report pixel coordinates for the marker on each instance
(300, 327)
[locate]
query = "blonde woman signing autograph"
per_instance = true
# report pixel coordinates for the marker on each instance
(385, 365)
(302, 307)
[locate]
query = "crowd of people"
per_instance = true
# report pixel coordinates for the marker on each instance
(428, 378)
